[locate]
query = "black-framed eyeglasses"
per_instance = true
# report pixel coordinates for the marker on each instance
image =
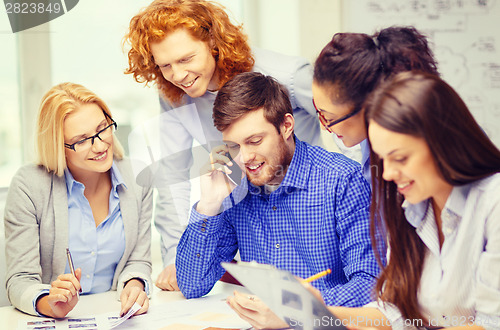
(327, 123)
(87, 143)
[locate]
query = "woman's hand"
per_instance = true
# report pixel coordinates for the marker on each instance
(134, 292)
(254, 311)
(314, 291)
(346, 314)
(62, 297)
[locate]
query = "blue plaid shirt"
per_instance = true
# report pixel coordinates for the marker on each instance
(317, 219)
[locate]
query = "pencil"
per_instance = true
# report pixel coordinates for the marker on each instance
(317, 276)
(72, 267)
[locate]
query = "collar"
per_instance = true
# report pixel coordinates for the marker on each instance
(297, 175)
(116, 180)
(415, 213)
(365, 153)
(456, 201)
(454, 204)
(70, 181)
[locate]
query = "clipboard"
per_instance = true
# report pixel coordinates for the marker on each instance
(285, 295)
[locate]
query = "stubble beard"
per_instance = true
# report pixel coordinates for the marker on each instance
(275, 167)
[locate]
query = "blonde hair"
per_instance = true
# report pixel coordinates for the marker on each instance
(60, 101)
(205, 21)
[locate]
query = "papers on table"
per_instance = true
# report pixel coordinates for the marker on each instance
(103, 321)
(194, 314)
(114, 322)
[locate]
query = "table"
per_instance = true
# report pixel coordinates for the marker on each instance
(107, 302)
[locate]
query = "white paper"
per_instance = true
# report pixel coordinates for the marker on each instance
(116, 322)
(198, 313)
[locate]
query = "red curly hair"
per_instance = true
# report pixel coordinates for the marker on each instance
(205, 21)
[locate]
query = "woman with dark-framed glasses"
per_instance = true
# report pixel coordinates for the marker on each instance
(80, 195)
(351, 66)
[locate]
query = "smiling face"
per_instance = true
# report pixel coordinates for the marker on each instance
(258, 148)
(352, 130)
(186, 62)
(86, 121)
(409, 163)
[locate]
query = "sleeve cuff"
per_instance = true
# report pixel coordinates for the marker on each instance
(203, 224)
(131, 276)
(44, 292)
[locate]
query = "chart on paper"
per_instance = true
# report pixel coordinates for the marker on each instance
(194, 314)
(464, 36)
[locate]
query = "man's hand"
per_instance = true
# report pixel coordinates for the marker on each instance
(254, 311)
(62, 297)
(134, 292)
(167, 280)
(215, 185)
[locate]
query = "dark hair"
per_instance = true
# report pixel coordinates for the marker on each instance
(247, 92)
(421, 105)
(355, 63)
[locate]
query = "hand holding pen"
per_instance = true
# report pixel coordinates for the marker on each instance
(63, 294)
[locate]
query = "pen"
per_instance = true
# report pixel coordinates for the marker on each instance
(72, 268)
(315, 277)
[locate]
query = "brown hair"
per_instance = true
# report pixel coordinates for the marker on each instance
(355, 63)
(248, 92)
(424, 106)
(205, 21)
(60, 101)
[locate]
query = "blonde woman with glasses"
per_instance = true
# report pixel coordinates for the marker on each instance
(80, 195)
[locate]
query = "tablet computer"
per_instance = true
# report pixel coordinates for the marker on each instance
(285, 295)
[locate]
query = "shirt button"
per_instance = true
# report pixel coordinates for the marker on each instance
(274, 208)
(92, 253)
(88, 276)
(203, 230)
(197, 255)
(205, 220)
(277, 245)
(204, 224)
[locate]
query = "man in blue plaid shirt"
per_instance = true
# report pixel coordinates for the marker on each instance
(299, 208)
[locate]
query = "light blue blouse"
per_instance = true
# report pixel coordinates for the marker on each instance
(96, 250)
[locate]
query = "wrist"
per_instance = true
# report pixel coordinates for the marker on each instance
(43, 307)
(208, 208)
(135, 281)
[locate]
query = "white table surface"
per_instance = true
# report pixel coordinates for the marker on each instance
(106, 302)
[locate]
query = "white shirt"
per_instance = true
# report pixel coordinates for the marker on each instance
(460, 283)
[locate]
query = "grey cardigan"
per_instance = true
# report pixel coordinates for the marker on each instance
(36, 232)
